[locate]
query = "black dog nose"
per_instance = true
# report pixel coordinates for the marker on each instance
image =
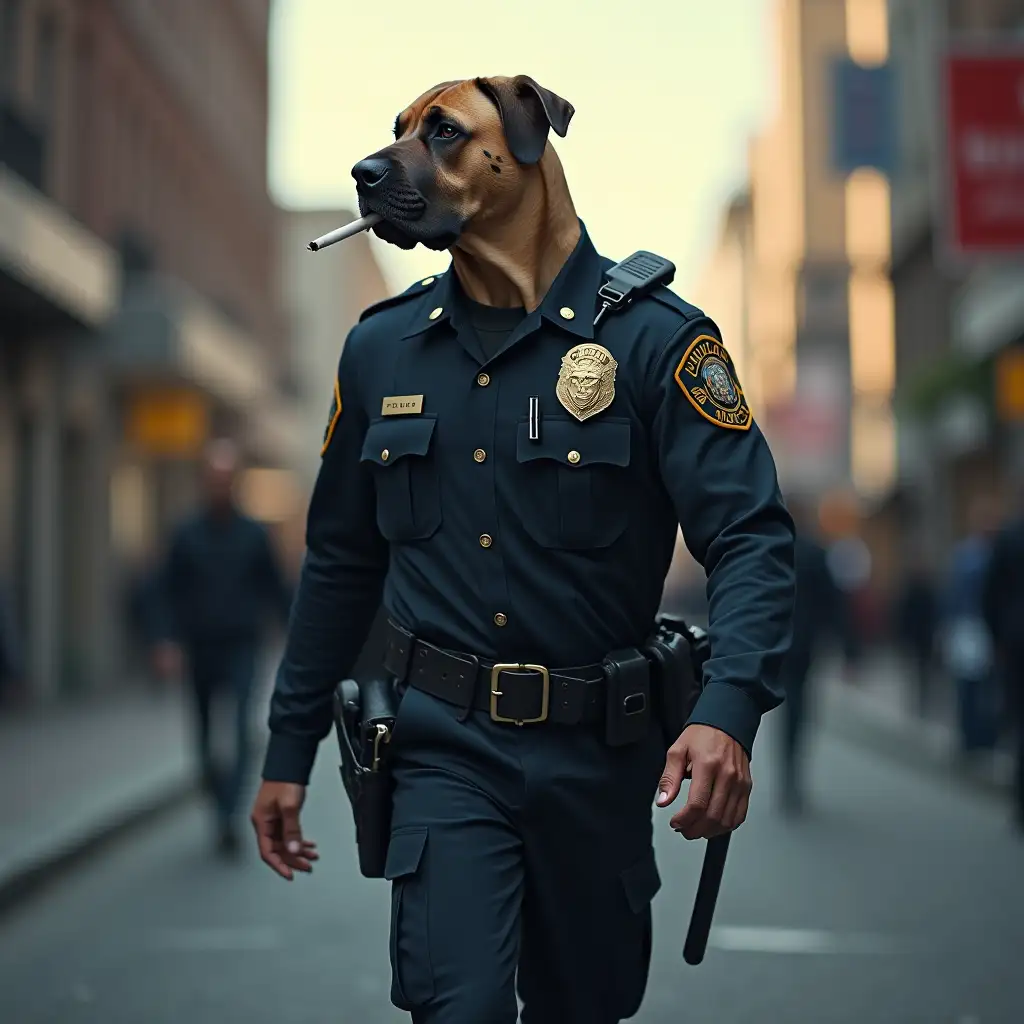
(369, 173)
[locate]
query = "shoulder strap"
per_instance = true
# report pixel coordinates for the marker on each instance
(419, 288)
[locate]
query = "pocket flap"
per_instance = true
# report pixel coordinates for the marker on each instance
(405, 851)
(641, 882)
(598, 441)
(392, 438)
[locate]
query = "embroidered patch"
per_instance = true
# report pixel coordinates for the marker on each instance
(332, 417)
(706, 375)
(586, 380)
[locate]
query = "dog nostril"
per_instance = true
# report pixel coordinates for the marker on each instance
(370, 172)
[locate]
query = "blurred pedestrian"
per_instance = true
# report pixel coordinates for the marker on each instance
(966, 642)
(916, 616)
(818, 612)
(849, 563)
(11, 674)
(220, 579)
(1003, 604)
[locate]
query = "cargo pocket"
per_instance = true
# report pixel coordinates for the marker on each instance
(641, 883)
(571, 493)
(406, 475)
(412, 975)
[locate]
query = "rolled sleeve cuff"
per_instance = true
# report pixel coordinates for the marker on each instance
(289, 758)
(730, 709)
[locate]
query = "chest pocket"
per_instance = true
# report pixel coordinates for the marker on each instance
(406, 475)
(571, 493)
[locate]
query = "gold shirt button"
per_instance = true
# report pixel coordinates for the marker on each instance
(486, 540)
(500, 619)
(483, 379)
(435, 313)
(573, 457)
(566, 313)
(479, 455)
(385, 455)
(426, 281)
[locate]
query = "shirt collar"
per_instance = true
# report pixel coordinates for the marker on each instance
(570, 302)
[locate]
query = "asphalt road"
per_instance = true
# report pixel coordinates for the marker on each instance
(895, 900)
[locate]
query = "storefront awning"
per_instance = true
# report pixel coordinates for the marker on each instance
(166, 332)
(52, 270)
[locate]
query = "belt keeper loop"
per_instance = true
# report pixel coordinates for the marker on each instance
(398, 651)
(470, 691)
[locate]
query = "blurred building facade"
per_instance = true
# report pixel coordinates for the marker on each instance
(140, 310)
(959, 316)
(885, 364)
(803, 253)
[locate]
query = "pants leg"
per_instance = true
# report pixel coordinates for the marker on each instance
(455, 862)
(591, 876)
(241, 672)
(203, 678)
(794, 716)
(1019, 744)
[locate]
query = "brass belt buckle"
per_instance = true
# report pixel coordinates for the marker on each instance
(496, 693)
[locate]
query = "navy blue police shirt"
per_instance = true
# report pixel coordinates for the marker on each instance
(433, 497)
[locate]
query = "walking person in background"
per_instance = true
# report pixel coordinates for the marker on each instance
(10, 652)
(220, 580)
(966, 643)
(1003, 606)
(818, 610)
(917, 616)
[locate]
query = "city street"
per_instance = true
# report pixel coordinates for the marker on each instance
(896, 900)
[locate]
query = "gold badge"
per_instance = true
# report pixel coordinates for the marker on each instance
(706, 375)
(332, 417)
(586, 380)
(402, 405)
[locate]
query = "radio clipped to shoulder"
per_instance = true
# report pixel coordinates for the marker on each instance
(631, 279)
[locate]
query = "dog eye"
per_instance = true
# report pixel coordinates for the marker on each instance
(447, 131)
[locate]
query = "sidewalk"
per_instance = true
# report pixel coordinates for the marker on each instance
(86, 771)
(82, 772)
(874, 710)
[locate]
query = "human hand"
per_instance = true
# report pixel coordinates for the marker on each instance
(275, 817)
(720, 784)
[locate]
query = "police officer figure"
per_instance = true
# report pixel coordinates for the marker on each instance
(515, 543)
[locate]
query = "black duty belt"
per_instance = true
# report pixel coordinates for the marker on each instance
(519, 694)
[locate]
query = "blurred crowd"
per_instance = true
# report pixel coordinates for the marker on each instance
(952, 626)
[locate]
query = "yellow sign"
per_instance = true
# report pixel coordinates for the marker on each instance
(1010, 385)
(170, 422)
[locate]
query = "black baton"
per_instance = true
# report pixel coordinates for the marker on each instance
(704, 902)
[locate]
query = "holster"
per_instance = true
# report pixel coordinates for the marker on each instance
(364, 717)
(677, 653)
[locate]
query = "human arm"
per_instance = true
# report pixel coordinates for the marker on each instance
(338, 594)
(722, 481)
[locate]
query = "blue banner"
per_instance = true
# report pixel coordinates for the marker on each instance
(863, 117)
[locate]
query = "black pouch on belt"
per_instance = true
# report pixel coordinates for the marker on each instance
(628, 708)
(677, 652)
(364, 717)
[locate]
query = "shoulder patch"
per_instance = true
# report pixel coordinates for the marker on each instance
(332, 417)
(421, 286)
(708, 379)
(667, 297)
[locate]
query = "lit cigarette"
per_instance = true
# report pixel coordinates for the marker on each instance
(339, 234)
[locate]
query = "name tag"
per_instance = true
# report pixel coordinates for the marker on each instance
(402, 405)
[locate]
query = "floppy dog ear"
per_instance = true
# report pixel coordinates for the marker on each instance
(527, 111)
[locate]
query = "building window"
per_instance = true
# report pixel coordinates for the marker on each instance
(10, 27)
(46, 70)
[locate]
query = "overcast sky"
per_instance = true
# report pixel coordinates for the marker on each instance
(667, 93)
